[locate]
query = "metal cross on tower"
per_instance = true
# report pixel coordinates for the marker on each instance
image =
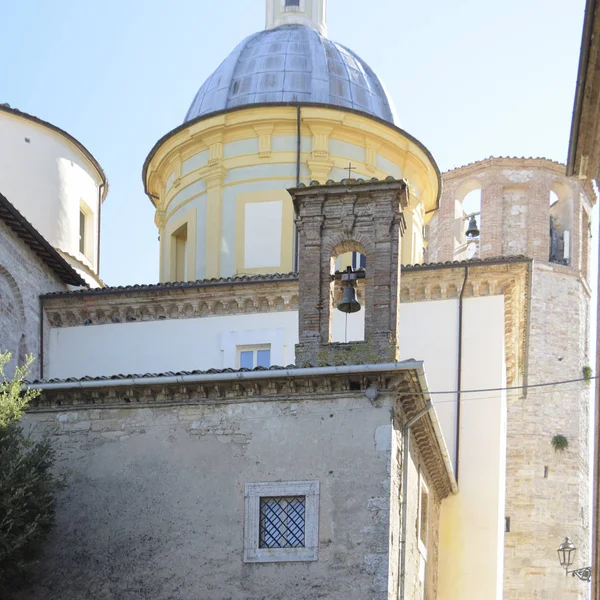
(350, 169)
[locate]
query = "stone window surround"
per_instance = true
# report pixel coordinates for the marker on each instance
(253, 493)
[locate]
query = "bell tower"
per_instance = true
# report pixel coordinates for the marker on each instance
(311, 13)
(333, 219)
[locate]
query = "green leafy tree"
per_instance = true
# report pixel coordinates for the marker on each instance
(27, 485)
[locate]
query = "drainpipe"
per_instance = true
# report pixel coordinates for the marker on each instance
(406, 429)
(100, 192)
(459, 368)
(298, 151)
(41, 352)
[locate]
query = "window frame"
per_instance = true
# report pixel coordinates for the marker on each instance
(86, 237)
(187, 217)
(255, 349)
(423, 544)
(253, 553)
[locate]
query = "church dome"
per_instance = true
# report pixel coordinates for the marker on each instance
(296, 64)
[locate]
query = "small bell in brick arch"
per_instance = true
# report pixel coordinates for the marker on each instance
(349, 304)
(472, 229)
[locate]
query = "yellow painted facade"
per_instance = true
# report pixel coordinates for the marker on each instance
(250, 155)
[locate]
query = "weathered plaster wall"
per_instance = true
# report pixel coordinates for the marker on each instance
(23, 277)
(154, 505)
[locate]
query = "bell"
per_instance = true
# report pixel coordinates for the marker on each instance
(472, 230)
(349, 303)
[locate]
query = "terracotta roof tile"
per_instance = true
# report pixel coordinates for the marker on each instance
(34, 239)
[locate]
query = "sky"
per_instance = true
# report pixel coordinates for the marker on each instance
(470, 79)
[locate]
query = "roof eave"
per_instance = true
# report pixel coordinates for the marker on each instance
(586, 42)
(23, 229)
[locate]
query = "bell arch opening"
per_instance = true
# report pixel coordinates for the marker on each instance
(561, 223)
(467, 220)
(348, 264)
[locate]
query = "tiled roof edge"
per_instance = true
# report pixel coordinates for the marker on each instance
(23, 229)
(177, 285)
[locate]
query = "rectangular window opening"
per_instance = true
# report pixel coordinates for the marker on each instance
(282, 522)
(250, 357)
(292, 3)
(180, 249)
(82, 222)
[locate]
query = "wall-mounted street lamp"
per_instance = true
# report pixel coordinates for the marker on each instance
(566, 556)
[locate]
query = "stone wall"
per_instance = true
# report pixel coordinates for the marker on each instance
(546, 491)
(23, 277)
(154, 503)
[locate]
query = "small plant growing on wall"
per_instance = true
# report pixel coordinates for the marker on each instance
(587, 374)
(560, 442)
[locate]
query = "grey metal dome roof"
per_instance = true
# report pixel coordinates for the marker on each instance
(292, 63)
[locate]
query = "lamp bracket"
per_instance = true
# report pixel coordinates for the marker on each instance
(584, 574)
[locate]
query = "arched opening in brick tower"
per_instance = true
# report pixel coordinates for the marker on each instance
(561, 223)
(348, 258)
(467, 219)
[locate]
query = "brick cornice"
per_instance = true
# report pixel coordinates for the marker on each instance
(163, 303)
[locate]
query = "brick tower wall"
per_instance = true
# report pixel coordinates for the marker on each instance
(547, 490)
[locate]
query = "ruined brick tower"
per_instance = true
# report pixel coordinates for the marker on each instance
(528, 207)
(353, 216)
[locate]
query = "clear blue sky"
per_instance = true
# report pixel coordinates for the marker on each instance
(470, 78)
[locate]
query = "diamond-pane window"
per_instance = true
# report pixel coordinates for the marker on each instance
(282, 522)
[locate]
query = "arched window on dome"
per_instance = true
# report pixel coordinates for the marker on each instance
(289, 3)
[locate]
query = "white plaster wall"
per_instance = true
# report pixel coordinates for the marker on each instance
(162, 346)
(46, 179)
(471, 536)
